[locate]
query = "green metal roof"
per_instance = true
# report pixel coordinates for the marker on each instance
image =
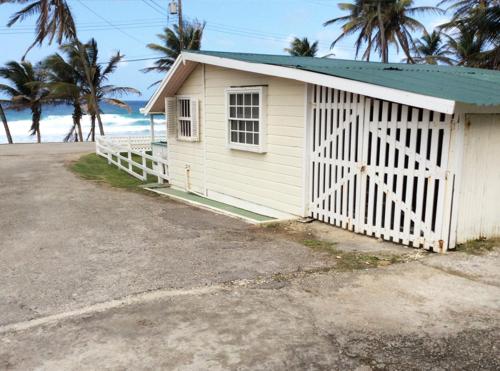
(462, 84)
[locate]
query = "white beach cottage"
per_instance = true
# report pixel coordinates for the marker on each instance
(407, 153)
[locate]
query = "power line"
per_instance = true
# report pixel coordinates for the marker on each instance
(158, 6)
(111, 24)
(153, 7)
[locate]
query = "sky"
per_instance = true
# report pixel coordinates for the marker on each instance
(256, 26)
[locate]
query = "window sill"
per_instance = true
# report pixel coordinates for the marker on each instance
(246, 148)
(187, 139)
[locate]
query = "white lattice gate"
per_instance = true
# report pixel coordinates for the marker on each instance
(380, 168)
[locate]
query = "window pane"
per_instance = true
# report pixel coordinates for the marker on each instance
(249, 125)
(241, 137)
(248, 99)
(240, 112)
(256, 139)
(242, 125)
(234, 136)
(255, 99)
(232, 111)
(240, 99)
(249, 138)
(232, 99)
(234, 125)
(255, 112)
(248, 113)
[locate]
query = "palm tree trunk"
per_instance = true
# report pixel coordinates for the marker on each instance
(92, 127)
(77, 117)
(5, 125)
(383, 40)
(36, 114)
(93, 95)
(101, 127)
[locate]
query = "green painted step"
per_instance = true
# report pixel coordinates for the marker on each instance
(213, 204)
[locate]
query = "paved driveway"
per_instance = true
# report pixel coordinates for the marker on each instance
(93, 277)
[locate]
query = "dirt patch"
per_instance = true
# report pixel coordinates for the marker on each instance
(331, 242)
(479, 247)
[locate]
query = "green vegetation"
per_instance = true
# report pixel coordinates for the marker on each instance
(302, 48)
(81, 80)
(173, 40)
(471, 38)
(479, 247)
(347, 260)
(93, 167)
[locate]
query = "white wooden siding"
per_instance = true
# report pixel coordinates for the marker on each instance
(479, 200)
(272, 179)
(183, 153)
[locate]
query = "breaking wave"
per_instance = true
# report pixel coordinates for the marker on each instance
(55, 127)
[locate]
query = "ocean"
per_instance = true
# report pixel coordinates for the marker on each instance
(57, 121)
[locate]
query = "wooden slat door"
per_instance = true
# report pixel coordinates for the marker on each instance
(380, 168)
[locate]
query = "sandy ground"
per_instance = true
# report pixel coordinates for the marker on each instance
(98, 278)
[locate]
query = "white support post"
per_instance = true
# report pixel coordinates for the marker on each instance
(152, 121)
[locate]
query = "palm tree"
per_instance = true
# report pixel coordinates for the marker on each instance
(54, 21)
(467, 45)
(476, 23)
(379, 24)
(170, 46)
(430, 49)
(27, 90)
(462, 8)
(5, 125)
(65, 82)
(302, 48)
(101, 72)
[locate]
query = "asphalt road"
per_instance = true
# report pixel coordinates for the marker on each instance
(93, 277)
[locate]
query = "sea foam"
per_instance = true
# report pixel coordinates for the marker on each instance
(55, 127)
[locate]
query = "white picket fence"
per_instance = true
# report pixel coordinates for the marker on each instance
(120, 151)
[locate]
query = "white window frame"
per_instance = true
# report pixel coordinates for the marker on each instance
(179, 118)
(262, 133)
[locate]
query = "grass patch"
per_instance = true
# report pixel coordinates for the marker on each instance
(479, 247)
(348, 261)
(93, 167)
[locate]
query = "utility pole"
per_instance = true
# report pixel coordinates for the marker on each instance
(181, 29)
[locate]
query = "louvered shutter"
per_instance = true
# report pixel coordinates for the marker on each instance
(195, 122)
(171, 105)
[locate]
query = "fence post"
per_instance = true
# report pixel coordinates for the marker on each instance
(144, 171)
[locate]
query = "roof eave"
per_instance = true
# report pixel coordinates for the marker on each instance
(147, 110)
(353, 86)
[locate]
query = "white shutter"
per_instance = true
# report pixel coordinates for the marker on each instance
(171, 109)
(195, 122)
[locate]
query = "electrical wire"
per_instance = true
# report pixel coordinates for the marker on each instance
(111, 24)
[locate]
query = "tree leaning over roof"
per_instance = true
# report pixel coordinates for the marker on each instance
(474, 32)
(302, 48)
(467, 46)
(5, 125)
(430, 49)
(170, 47)
(27, 90)
(379, 24)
